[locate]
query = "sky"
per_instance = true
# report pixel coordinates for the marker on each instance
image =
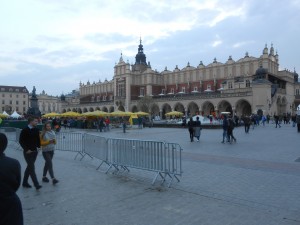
(55, 44)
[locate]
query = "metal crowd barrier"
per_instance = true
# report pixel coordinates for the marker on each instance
(160, 157)
(95, 146)
(13, 136)
(71, 142)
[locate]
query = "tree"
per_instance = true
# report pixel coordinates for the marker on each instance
(145, 104)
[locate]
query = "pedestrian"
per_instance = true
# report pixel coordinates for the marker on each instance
(263, 119)
(197, 129)
(230, 128)
(48, 141)
(10, 180)
(107, 122)
(191, 129)
(101, 124)
(30, 142)
(247, 123)
(277, 121)
(225, 128)
(124, 126)
(298, 122)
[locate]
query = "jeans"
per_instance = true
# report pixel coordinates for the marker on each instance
(48, 163)
(225, 135)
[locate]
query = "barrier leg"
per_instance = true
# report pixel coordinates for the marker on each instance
(85, 155)
(102, 163)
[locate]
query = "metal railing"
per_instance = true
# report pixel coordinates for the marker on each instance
(121, 154)
(13, 136)
(71, 142)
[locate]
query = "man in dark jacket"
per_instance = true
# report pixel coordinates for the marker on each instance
(30, 141)
(225, 127)
(10, 179)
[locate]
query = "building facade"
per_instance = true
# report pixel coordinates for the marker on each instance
(14, 98)
(245, 86)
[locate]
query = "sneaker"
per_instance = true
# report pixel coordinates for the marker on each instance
(45, 179)
(54, 181)
(26, 185)
(38, 187)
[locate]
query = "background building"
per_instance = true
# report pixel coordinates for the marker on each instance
(14, 98)
(244, 86)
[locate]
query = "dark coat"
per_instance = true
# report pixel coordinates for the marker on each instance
(30, 139)
(10, 179)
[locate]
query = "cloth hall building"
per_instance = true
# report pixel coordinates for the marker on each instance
(245, 86)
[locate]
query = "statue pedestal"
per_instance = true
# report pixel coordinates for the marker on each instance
(34, 109)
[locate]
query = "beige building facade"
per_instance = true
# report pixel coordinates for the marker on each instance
(14, 98)
(244, 86)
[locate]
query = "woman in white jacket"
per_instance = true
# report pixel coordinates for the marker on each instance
(48, 141)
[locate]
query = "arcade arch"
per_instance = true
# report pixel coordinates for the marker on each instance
(193, 109)
(104, 109)
(111, 109)
(243, 108)
(208, 108)
(179, 107)
(224, 106)
(121, 108)
(134, 108)
(155, 110)
(165, 109)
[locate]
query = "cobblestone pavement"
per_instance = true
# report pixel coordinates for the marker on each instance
(253, 181)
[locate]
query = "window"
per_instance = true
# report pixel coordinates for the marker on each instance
(3, 101)
(172, 90)
(196, 88)
(24, 96)
(24, 109)
(183, 89)
(24, 102)
(98, 98)
(297, 92)
(247, 83)
(17, 96)
(111, 97)
(10, 95)
(104, 97)
(142, 91)
(208, 87)
(2, 89)
(121, 90)
(3, 95)
(10, 89)
(10, 102)
(93, 98)
(17, 109)
(17, 102)
(229, 85)
(17, 90)
(163, 91)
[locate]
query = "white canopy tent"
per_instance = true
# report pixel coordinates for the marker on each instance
(5, 113)
(15, 115)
